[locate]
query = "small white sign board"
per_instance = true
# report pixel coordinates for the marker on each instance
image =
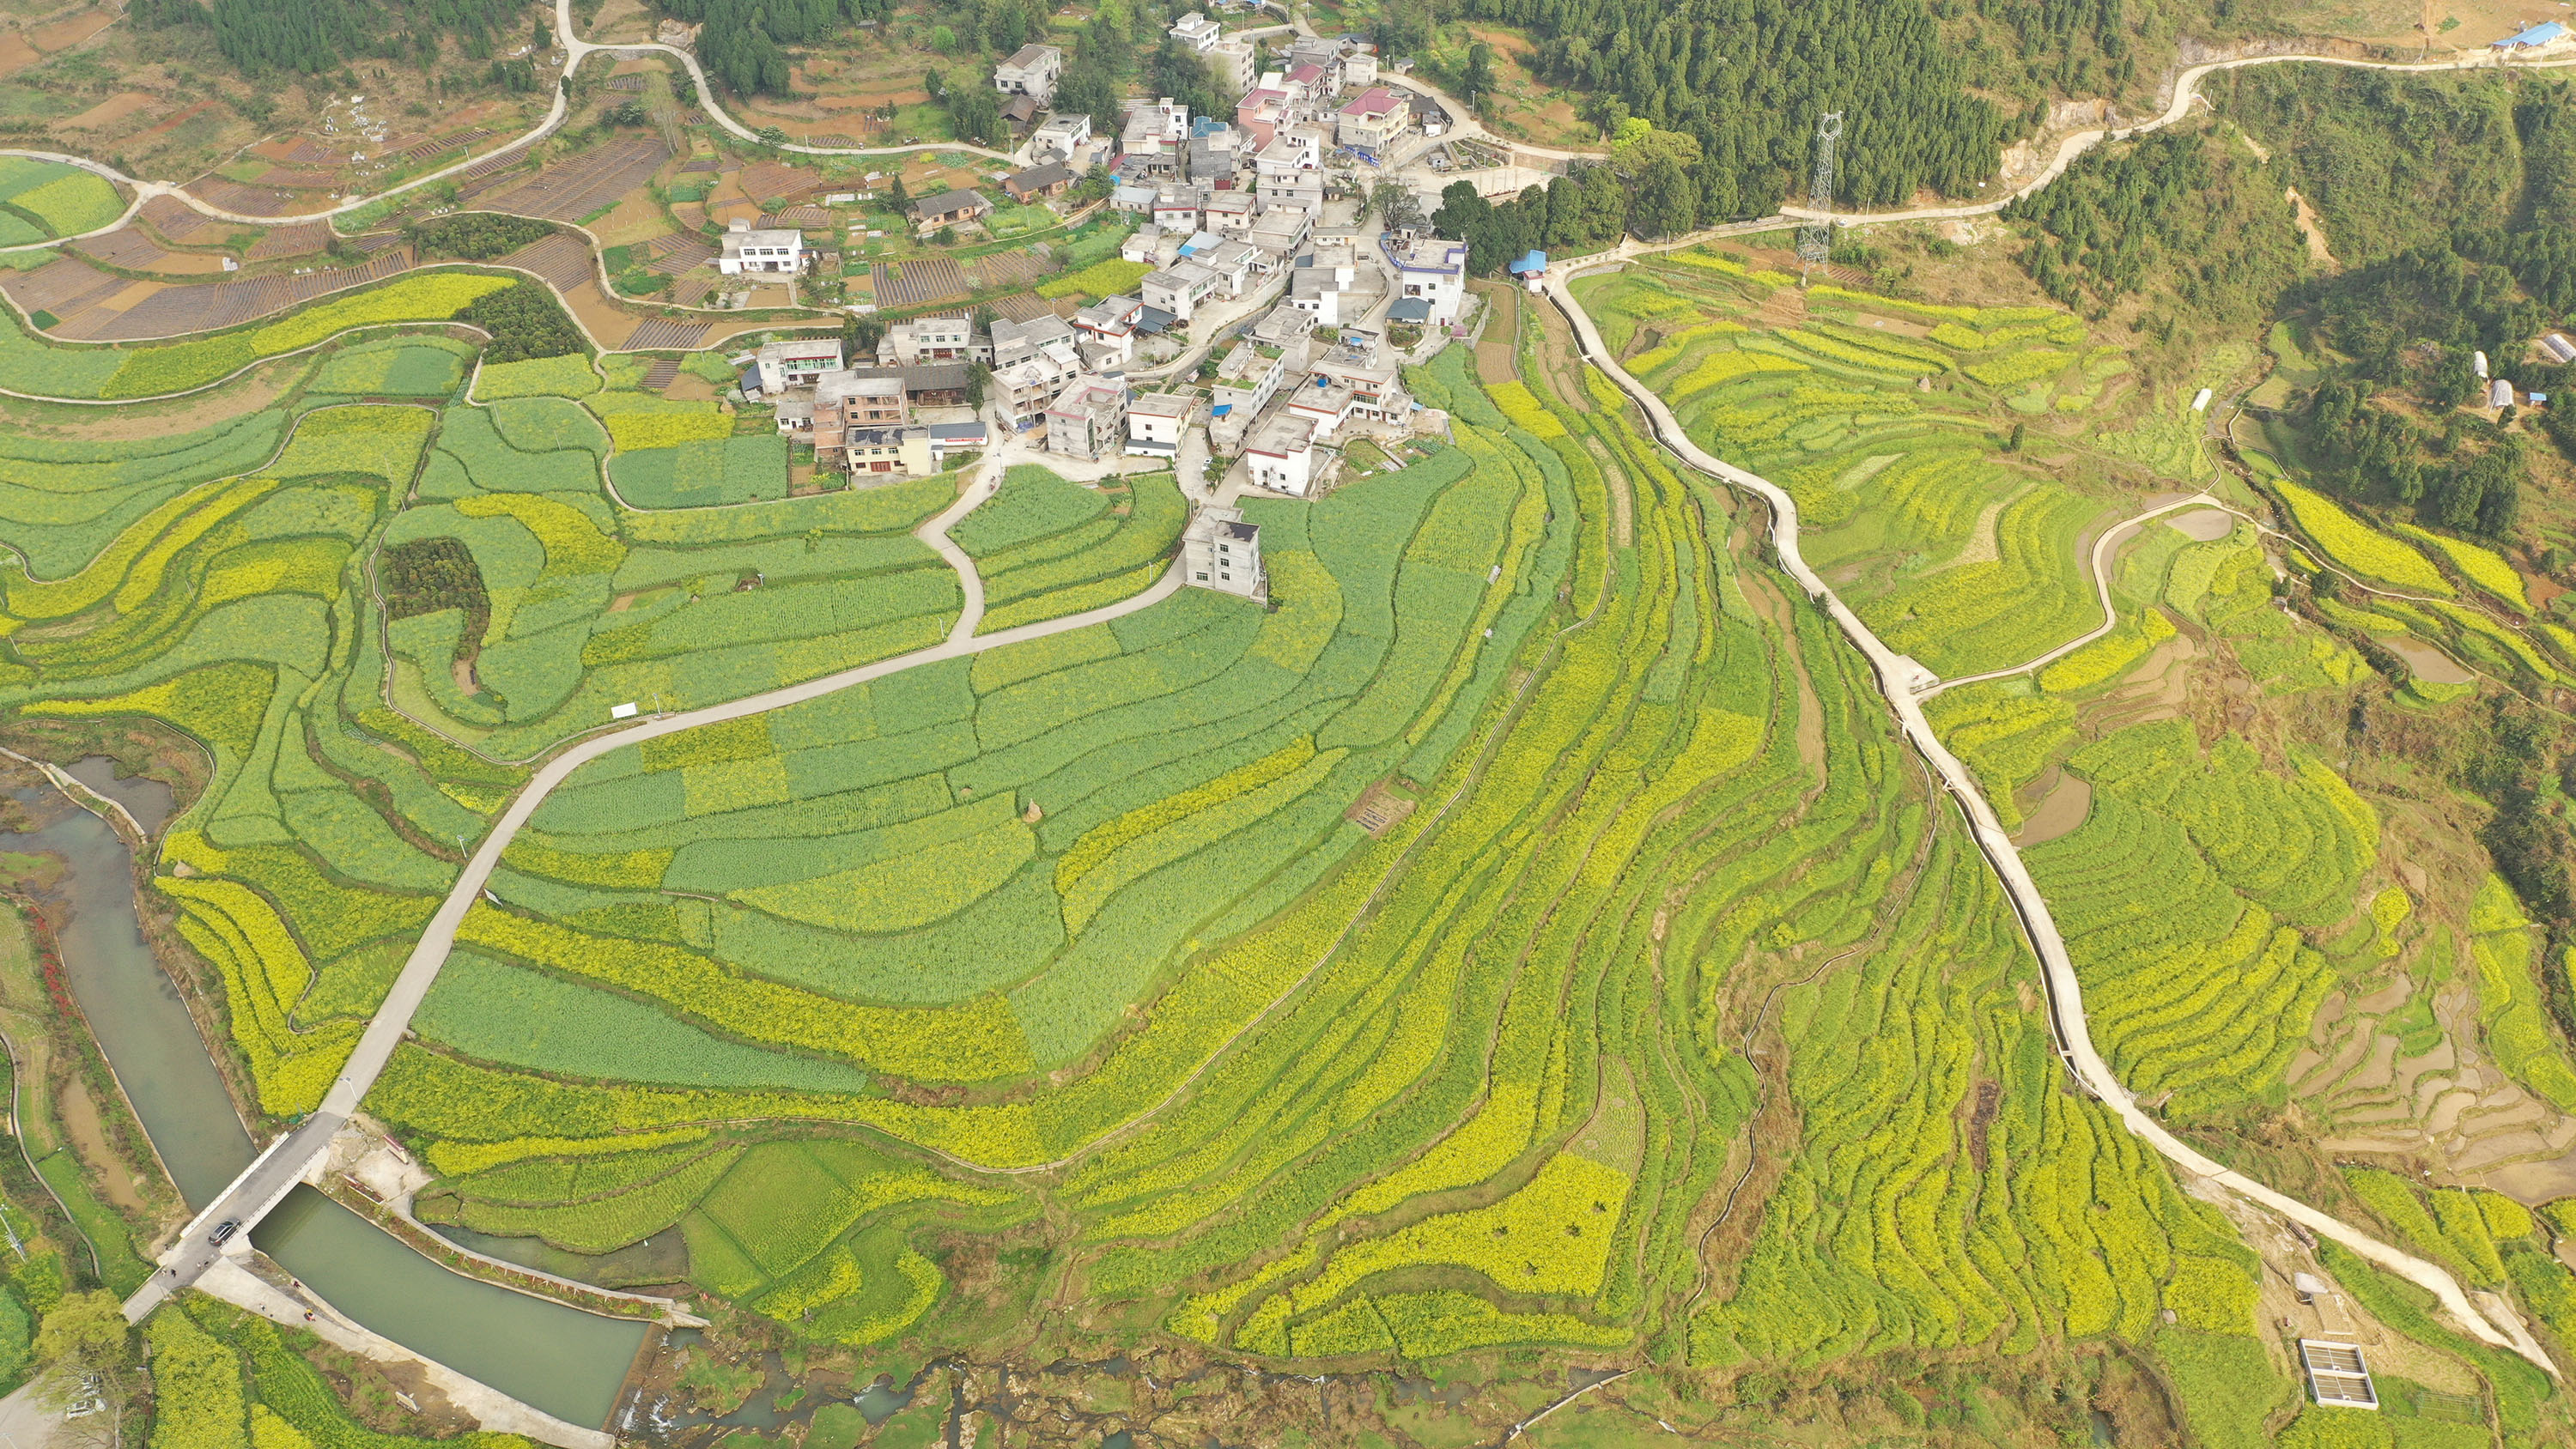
(622, 711)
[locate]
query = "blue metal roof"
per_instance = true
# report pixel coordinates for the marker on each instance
(1532, 260)
(1410, 309)
(2541, 34)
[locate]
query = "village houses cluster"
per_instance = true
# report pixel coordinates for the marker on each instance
(1228, 210)
(1225, 206)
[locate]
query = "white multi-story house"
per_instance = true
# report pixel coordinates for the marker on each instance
(1180, 288)
(1281, 454)
(1196, 31)
(1155, 422)
(1432, 269)
(1032, 361)
(931, 339)
(1330, 283)
(1144, 244)
(1065, 135)
(1280, 230)
(1371, 121)
(1031, 71)
(1234, 63)
(1155, 128)
(1229, 213)
(1178, 208)
(1291, 152)
(1106, 331)
(750, 249)
(1245, 382)
(796, 362)
(1235, 263)
(1339, 393)
(1220, 551)
(1088, 419)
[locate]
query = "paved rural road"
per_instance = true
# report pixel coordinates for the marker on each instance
(575, 48)
(1903, 680)
(267, 1180)
(2110, 540)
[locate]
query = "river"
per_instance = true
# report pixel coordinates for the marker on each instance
(559, 1359)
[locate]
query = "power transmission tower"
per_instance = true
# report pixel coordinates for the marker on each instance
(1816, 238)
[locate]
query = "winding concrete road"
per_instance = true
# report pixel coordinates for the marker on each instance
(267, 1180)
(2103, 548)
(575, 49)
(1903, 681)
(2186, 92)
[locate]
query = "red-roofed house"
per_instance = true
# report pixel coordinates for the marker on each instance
(1371, 121)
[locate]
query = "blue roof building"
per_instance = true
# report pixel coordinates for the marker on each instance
(1532, 263)
(2538, 35)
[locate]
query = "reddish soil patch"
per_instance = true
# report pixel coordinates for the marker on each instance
(176, 119)
(15, 53)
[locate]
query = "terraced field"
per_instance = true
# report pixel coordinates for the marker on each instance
(1888, 422)
(1524, 944)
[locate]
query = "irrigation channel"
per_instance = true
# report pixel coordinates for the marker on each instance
(561, 1360)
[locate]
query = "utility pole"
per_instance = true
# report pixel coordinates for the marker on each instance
(1816, 238)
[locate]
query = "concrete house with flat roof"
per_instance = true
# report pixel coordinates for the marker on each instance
(1221, 551)
(1032, 71)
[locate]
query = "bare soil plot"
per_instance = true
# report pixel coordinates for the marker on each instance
(289, 178)
(226, 194)
(134, 315)
(65, 33)
(1022, 307)
(59, 286)
(441, 145)
(772, 184)
(921, 283)
(125, 247)
(291, 241)
(1011, 269)
(609, 324)
(15, 53)
(673, 255)
(657, 333)
(110, 111)
(562, 261)
(571, 189)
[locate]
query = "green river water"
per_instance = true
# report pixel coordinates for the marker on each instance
(564, 1361)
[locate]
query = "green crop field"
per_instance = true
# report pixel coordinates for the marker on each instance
(1525, 943)
(41, 199)
(1890, 432)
